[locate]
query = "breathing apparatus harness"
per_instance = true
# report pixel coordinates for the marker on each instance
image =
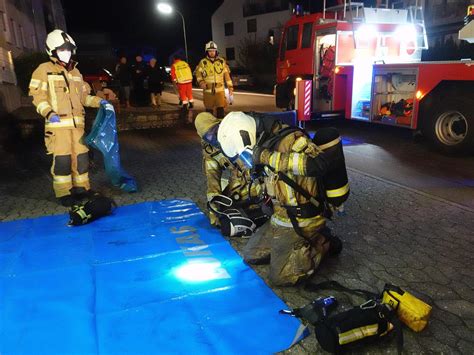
(317, 205)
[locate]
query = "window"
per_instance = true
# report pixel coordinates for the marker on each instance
(3, 21)
(230, 53)
(229, 28)
(271, 37)
(306, 38)
(12, 30)
(22, 36)
(252, 25)
(292, 38)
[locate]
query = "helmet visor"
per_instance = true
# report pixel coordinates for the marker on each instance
(67, 46)
(211, 136)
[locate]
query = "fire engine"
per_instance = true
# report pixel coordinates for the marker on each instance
(364, 63)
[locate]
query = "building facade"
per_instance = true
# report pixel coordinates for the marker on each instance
(24, 25)
(238, 20)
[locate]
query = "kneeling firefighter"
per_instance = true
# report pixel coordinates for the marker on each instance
(303, 178)
(240, 207)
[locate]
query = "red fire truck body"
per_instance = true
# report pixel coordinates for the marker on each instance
(371, 70)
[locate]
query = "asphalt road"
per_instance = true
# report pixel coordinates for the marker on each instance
(243, 101)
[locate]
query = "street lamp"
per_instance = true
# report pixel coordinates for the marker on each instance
(167, 9)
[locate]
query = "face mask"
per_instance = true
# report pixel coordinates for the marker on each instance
(64, 56)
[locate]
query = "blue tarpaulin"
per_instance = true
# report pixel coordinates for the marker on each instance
(152, 278)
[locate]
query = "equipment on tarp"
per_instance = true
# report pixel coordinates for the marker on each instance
(234, 221)
(103, 137)
(92, 208)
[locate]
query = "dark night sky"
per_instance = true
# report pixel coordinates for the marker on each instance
(137, 22)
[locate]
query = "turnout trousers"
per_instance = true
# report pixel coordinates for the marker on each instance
(70, 159)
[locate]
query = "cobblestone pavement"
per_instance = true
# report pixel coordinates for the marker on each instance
(390, 234)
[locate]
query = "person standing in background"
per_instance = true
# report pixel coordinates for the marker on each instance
(183, 78)
(213, 74)
(124, 76)
(156, 82)
(138, 81)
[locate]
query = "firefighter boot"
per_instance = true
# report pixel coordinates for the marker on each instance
(67, 201)
(335, 244)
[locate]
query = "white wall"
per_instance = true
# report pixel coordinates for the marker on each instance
(231, 11)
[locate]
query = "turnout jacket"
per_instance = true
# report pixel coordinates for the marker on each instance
(290, 156)
(57, 90)
(214, 72)
(239, 186)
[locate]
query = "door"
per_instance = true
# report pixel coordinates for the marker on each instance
(325, 63)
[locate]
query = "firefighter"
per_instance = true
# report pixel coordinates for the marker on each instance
(183, 78)
(60, 94)
(297, 238)
(241, 189)
(212, 74)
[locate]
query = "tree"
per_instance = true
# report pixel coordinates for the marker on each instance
(259, 58)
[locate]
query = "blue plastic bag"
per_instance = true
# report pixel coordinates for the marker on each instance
(103, 137)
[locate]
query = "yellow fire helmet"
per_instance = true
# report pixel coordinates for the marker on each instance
(204, 122)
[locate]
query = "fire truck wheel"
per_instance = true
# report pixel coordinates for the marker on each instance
(449, 125)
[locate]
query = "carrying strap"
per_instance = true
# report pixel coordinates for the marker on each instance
(320, 204)
(336, 286)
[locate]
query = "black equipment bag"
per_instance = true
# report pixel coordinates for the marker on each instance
(370, 322)
(92, 208)
(361, 325)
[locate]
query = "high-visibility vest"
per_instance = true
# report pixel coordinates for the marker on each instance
(183, 72)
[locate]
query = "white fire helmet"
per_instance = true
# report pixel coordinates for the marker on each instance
(237, 132)
(211, 46)
(59, 39)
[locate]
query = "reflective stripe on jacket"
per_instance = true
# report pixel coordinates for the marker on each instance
(214, 73)
(290, 156)
(215, 162)
(55, 90)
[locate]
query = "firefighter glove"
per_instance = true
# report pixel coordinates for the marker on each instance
(234, 224)
(202, 84)
(317, 166)
(54, 119)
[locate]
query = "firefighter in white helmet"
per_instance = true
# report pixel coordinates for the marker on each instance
(213, 74)
(297, 238)
(60, 94)
(240, 192)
